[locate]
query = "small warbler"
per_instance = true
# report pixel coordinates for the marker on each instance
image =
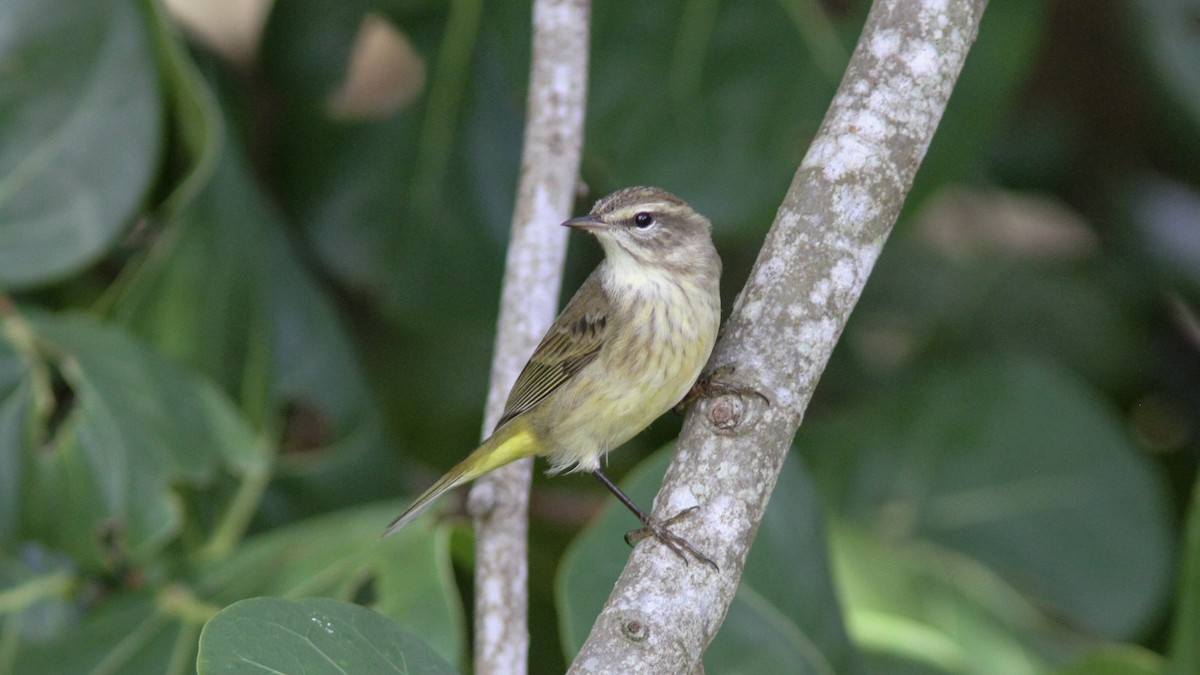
(626, 348)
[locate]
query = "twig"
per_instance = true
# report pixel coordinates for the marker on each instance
(814, 263)
(549, 174)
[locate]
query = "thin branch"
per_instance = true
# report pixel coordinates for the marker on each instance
(825, 240)
(533, 274)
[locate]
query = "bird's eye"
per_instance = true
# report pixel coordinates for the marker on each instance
(643, 220)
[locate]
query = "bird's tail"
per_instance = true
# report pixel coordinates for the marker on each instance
(509, 443)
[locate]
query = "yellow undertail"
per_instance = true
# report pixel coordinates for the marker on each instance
(509, 443)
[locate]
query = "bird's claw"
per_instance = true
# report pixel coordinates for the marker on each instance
(678, 545)
(712, 384)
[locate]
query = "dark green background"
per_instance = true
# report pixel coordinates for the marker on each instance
(236, 333)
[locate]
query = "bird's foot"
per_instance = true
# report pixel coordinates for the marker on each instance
(678, 545)
(715, 383)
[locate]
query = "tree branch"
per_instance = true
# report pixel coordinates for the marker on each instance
(826, 237)
(533, 274)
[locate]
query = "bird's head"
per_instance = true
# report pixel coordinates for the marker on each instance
(651, 227)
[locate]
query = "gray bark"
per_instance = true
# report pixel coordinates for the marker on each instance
(499, 501)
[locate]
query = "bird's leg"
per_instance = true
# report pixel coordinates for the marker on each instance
(658, 530)
(713, 383)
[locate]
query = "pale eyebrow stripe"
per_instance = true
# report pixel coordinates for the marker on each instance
(627, 211)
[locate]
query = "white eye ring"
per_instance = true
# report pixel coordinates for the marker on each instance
(643, 220)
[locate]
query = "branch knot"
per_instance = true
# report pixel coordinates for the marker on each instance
(725, 414)
(634, 630)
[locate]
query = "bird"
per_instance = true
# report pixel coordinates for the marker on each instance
(629, 345)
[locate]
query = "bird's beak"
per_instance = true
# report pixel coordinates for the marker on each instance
(587, 222)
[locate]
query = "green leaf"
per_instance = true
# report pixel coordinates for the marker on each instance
(777, 622)
(118, 424)
(1184, 654)
(1002, 302)
(404, 234)
(264, 635)
(155, 628)
(80, 132)
(999, 485)
(696, 106)
(934, 610)
(126, 633)
(225, 291)
(196, 124)
(411, 230)
(1117, 660)
(406, 577)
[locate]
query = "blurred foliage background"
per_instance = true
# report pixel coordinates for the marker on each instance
(250, 257)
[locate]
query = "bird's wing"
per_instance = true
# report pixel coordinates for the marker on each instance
(573, 341)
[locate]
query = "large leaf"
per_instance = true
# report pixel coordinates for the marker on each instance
(225, 291)
(79, 132)
(925, 307)
(406, 578)
(423, 253)
(117, 426)
(777, 623)
(374, 196)
(1004, 485)
(931, 610)
(265, 635)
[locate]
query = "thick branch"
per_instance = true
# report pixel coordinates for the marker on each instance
(533, 274)
(814, 263)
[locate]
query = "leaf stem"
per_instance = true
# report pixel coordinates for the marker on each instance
(17, 598)
(819, 35)
(445, 98)
(233, 524)
(179, 602)
(687, 60)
